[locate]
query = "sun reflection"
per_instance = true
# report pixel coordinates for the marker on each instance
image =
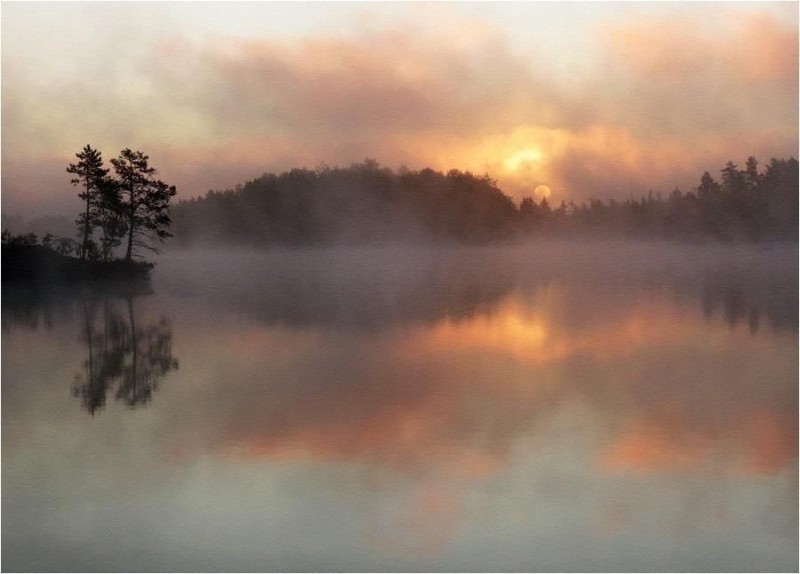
(535, 335)
(522, 335)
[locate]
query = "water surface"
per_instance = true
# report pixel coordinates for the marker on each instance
(559, 407)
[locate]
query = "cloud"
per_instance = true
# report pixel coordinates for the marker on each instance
(374, 88)
(40, 185)
(693, 77)
(668, 99)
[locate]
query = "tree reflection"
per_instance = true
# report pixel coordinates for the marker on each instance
(742, 300)
(122, 354)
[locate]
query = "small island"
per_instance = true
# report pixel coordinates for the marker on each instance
(26, 263)
(130, 208)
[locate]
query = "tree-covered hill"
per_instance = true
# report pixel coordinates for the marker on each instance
(370, 203)
(358, 203)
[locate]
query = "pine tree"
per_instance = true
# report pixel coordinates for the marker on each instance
(110, 217)
(89, 173)
(144, 201)
(751, 176)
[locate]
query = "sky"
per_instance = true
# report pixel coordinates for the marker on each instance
(575, 100)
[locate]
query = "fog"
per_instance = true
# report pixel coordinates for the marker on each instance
(371, 287)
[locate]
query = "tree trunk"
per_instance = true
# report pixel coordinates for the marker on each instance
(131, 217)
(86, 226)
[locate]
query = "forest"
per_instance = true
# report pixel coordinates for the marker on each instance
(367, 202)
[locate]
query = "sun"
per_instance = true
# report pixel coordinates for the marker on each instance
(542, 191)
(522, 158)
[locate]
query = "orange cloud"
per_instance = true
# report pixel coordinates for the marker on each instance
(690, 78)
(472, 105)
(767, 52)
(668, 100)
(743, 48)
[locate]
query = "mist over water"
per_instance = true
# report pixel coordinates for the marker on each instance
(355, 287)
(542, 406)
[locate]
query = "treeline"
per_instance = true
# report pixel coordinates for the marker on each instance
(745, 204)
(370, 203)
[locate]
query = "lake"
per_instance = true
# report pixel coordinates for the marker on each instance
(543, 407)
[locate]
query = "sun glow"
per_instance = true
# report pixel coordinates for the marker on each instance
(542, 191)
(522, 158)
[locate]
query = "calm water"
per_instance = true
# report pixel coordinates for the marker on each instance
(561, 407)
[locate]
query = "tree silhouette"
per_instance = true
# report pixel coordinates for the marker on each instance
(89, 173)
(752, 178)
(110, 217)
(780, 186)
(144, 201)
